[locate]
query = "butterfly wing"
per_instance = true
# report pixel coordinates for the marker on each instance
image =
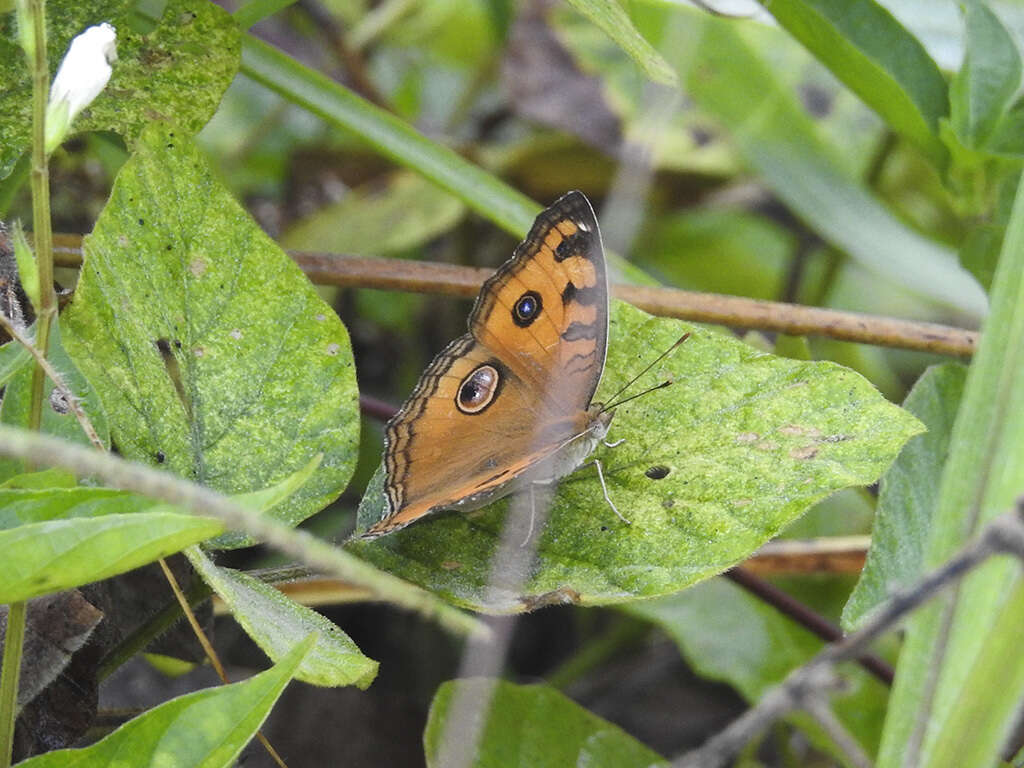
(508, 393)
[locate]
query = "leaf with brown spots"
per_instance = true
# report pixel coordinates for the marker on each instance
(749, 441)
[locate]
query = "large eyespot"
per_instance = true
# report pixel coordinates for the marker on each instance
(478, 389)
(526, 309)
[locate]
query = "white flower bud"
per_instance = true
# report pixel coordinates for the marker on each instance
(80, 78)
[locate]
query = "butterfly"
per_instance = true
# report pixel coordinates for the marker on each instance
(510, 402)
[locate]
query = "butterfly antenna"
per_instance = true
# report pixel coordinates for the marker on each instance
(631, 382)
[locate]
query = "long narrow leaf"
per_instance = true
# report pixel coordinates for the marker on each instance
(206, 729)
(877, 58)
(389, 135)
(59, 554)
(276, 623)
(940, 662)
(727, 77)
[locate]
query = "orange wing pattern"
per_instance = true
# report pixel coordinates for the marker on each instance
(507, 394)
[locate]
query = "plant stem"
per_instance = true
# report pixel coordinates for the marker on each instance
(40, 203)
(35, 15)
(9, 679)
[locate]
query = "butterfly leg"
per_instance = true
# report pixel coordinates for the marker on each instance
(533, 514)
(604, 489)
(620, 441)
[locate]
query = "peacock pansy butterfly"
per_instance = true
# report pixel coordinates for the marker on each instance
(509, 403)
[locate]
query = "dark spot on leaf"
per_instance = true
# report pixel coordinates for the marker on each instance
(658, 472)
(142, 222)
(700, 137)
(160, 457)
(816, 99)
(604, 527)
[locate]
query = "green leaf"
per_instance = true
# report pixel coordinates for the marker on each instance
(276, 622)
(750, 441)
(389, 135)
(60, 421)
(726, 634)
(909, 495)
(45, 478)
(610, 17)
(877, 58)
(213, 354)
(21, 506)
(264, 500)
(719, 251)
(988, 78)
(943, 654)
(206, 729)
(28, 270)
(725, 75)
(13, 358)
(176, 71)
(407, 213)
(59, 554)
(532, 726)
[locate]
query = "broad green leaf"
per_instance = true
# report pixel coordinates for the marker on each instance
(943, 655)
(175, 71)
(59, 554)
(57, 419)
(728, 78)
(988, 78)
(610, 17)
(276, 623)
(877, 58)
(532, 726)
(264, 500)
(908, 495)
(213, 355)
(750, 441)
(726, 634)
(37, 505)
(205, 729)
(403, 215)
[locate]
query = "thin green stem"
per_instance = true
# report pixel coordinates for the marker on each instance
(40, 177)
(43, 450)
(34, 13)
(9, 680)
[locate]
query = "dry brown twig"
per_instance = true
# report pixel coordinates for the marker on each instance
(733, 311)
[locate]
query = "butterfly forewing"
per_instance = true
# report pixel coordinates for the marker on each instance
(502, 398)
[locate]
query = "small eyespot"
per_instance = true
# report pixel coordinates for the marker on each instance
(657, 472)
(526, 309)
(478, 389)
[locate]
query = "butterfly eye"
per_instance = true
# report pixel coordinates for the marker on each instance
(478, 389)
(526, 309)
